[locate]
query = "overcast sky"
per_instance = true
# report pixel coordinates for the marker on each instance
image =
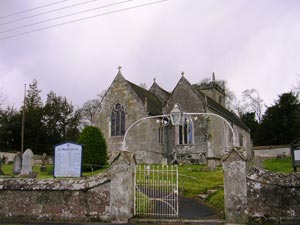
(250, 44)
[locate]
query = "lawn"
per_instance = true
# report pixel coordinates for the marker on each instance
(8, 170)
(283, 165)
(198, 179)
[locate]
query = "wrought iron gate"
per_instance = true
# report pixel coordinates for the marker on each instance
(156, 191)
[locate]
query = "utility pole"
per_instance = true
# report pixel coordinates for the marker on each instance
(23, 122)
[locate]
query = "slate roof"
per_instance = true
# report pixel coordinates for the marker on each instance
(220, 110)
(154, 105)
(161, 93)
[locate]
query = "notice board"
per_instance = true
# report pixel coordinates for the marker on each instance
(68, 160)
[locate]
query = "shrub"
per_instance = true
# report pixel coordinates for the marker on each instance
(95, 149)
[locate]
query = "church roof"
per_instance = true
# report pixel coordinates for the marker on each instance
(161, 93)
(154, 105)
(220, 110)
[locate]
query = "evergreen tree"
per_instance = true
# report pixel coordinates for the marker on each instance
(251, 122)
(281, 122)
(94, 152)
(34, 136)
(61, 121)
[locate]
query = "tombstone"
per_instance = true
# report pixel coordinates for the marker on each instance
(17, 163)
(1, 172)
(27, 162)
(43, 168)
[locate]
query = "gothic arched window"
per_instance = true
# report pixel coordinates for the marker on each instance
(117, 119)
(186, 132)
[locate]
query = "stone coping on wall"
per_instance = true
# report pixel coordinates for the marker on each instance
(274, 178)
(269, 147)
(70, 184)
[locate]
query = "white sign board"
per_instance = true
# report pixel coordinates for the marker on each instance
(297, 155)
(67, 160)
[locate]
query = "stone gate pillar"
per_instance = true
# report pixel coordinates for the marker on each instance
(122, 187)
(235, 187)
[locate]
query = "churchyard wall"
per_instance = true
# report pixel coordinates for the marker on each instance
(273, 197)
(272, 151)
(255, 196)
(104, 197)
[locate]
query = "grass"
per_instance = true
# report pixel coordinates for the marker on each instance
(8, 170)
(282, 165)
(198, 179)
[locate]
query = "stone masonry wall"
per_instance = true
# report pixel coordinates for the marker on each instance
(141, 134)
(94, 198)
(55, 199)
(273, 198)
(188, 100)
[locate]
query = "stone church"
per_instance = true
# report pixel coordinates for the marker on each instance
(198, 139)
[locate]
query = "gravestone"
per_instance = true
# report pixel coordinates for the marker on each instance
(43, 168)
(27, 162)
(17, 163)
(1, 172)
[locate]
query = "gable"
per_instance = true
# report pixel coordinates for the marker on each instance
(162, 94)
(187, 97)
(153, 104)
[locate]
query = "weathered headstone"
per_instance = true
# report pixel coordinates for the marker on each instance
(1, 172)
(27, 162)
(17, 163)
(43, 168)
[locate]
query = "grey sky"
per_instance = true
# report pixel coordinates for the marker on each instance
(250, 44)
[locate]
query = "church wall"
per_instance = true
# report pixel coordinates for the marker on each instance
(142, 137)
(188, 100)
(220, 135)
(218, 144)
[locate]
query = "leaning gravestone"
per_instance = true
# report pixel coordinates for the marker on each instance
(27, 162)
(1, 172)
(17, 163)
(43, 168)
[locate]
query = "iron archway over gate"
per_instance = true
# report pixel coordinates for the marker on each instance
(156, 191)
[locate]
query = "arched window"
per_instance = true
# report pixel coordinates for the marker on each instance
(117, 119)
(185, 134)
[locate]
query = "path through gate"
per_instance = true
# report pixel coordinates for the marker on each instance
(156, 191)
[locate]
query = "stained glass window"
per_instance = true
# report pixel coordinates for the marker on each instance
(185, 134)
(117, 118)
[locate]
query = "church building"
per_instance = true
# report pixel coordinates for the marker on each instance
(203, 136)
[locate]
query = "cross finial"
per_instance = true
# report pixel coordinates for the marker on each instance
(119, 68)
(154, 80)
(182, 73)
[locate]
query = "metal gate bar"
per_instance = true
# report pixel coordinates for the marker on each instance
(156, 191)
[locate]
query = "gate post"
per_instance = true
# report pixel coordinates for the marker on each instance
(122, 187)
(235, 187)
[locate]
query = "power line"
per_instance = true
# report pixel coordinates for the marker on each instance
(64, 16)
(81, 19)
(28, 10)
(46, 12)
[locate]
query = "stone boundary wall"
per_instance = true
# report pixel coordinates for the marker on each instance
(272, 151)
(104, 197)
(273, 198)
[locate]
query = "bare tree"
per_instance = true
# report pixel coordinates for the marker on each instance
(232, 103)
(2, 98)
(91, 108)
(252, 102)
(296, 89)
(143, 85)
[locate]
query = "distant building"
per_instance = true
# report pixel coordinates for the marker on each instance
(201, 139)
